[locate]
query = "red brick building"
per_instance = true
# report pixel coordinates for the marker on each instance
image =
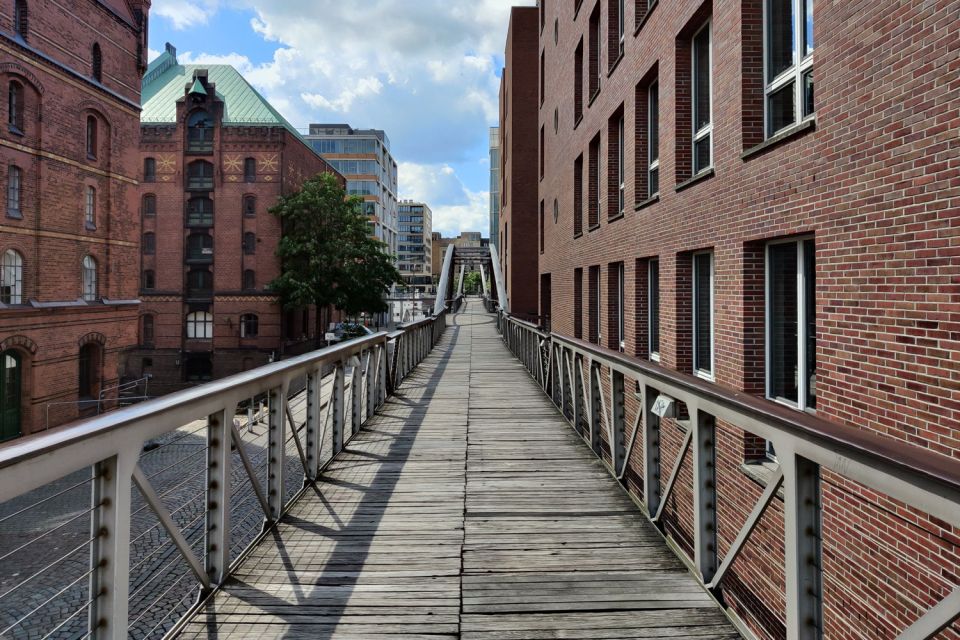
(214, 158)
(517, 246)
(69, 235)
(707, 209)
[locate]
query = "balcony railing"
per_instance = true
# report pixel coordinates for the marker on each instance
(123, 522)
(593, 388)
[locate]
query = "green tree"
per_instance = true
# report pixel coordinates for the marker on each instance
(472, 283)
(327, 255)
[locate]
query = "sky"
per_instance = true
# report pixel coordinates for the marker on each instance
(425, 71)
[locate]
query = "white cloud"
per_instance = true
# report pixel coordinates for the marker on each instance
(185, 13)
(365, 87)
(455, 207)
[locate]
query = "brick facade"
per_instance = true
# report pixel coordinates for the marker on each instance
(252, 167)
(874, 180)
(67, 71)
(518, 236)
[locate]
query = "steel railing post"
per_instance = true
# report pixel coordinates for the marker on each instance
(596, 407)
(356, 399)
(383, 354)
(110, 551)
(651, 452)
(576, 370)
(218, 496)
(314, 428)
(704, 493)
(370, 387)
(801, 523)
(276, 451)
(338, 408)
(617, 428)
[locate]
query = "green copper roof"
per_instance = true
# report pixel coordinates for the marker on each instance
(165, 82)
(198, 87)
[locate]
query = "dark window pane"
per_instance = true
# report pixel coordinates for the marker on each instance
(701, 71)
(701, 154)
(780, 111)
(784, 319)
(808, 93)
(703, 311)
(779, 37)
(654, 306)
(810, 300)
(654, 182)
(654, 124)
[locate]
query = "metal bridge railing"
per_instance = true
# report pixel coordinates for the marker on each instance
(118, 526)
(592, 386)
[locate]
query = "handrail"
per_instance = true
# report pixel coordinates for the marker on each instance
(111, 448)
(805, 444)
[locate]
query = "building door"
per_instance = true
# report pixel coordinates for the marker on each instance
(10, 387)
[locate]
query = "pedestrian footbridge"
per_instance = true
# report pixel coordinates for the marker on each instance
(470, 475)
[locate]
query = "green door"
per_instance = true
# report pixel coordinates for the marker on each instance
(10, 378)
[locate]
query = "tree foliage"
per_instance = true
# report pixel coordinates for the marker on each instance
(328, 257)
(472, 284)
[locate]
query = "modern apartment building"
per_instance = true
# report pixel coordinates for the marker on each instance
(494, 184)
(363, 156)
(415, 245)
(762, 197)
(69, 234)
(215, 157)
(520, 172)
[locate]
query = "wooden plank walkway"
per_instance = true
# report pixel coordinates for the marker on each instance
(469, 509)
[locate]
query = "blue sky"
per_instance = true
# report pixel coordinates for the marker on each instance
(426, 71)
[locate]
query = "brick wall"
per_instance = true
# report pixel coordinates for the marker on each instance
(59, 93)
(875, 182)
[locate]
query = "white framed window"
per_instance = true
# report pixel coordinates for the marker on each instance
(653, 140)
(703, 316)
(787, 63)
(89, 278)
(653, 309)
(11, 278)
(621, 301)
(702, 97)
(791, 334)
(200, 325)
(621, 169)
(14, 185)
(90, 208)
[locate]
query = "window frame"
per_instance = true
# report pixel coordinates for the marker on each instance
(149, 169)
(705, 374)
(653, 120)
(88, 278)
(246, 320)
(14, 191)
(148, 280)
(11, 276)
(96, 62)
(91, 138)
(149, 243)
(794, 73)
(250, 169)
(803, 375)
(15, 97)
(195, 324)
(621, 307)
(249, 243)
(653, 311)
(147, 326)
(707, 130)
(90, 207)
(621, 164)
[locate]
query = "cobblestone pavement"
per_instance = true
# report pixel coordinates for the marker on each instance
(45, 536)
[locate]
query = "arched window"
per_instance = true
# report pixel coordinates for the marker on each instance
(11, 278)
(92, 137)
(15, 107)
(149, 205)
(200, 132)
(14, 183)
(249, 206)
(149, 170)
(11, 375)
(90, 208)
(21, 18)
(200, 325)
(200, 247)
(89, 278)
(89, 369)
(250, 170)
(249, 279)
(199, 283)
(97, 60)
(249, 243)
(200, 212)
(149, 243)
(149, 280)
(200, 175)
(146, 330)
(249, 325)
